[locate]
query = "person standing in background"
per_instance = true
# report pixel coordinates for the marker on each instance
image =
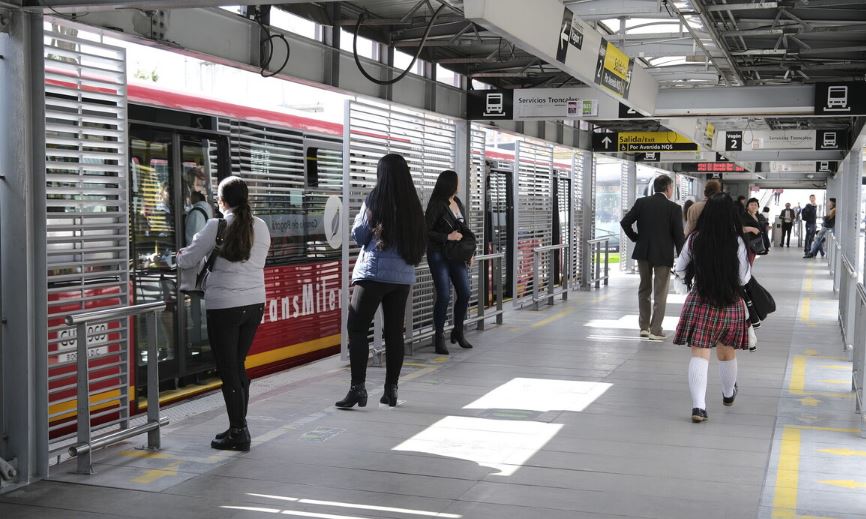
(711, 188)
(788, 216)
(659, 231)
(686, 207)
(809, 214)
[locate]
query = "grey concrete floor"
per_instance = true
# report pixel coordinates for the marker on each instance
(560, 413)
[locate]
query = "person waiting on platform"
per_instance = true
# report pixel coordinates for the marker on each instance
(235, 298)
(659, 232)
(711, 188)
(445, 217)
(714, 315)
(686, 207)
(752, 224)
(809, 215)
(827, 227)
(388, 230)
(788, 216)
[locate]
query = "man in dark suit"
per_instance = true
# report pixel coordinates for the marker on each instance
(659, 232)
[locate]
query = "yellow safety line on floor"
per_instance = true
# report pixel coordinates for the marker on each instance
(787, 475)
(844, 452)
(150, 476)
(555, 317)
(798, 375)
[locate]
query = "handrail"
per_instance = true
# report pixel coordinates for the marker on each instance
(551, 292)
(114, 313)
(85, 444)
(496, 258)
(595, 245)
(849, 267)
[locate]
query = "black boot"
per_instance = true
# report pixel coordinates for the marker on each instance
(222, 435)
(390, 395)
(357, 395)
(439, 343)
(457, 336)
(237, 439)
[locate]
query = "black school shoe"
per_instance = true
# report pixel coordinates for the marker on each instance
(729, 401)
(699, 415)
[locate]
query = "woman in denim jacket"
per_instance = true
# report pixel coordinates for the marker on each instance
(389, 230)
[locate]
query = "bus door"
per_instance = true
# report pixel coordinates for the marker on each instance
(173, 174)
(499, 223)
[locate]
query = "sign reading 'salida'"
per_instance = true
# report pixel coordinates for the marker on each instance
(613, 68)
(643, 142)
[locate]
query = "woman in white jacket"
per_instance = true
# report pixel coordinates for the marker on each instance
(234, 298)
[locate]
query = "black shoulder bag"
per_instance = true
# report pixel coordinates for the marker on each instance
(201, 277)
(463, 249)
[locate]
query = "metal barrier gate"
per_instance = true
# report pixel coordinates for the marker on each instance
(87, 227)
(533, 179)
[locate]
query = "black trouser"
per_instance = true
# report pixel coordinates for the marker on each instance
(786, 231)
(231, 332)
(366, 297)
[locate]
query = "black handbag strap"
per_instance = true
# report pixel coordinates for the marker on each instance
(220, 237)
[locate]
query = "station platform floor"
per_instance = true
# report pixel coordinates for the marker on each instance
(559, 413)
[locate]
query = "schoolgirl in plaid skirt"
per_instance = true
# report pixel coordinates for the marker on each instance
(714, 315)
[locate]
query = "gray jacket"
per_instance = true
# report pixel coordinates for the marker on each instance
(231, 283)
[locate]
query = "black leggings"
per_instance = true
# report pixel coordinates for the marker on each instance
(366, 297)
(231, 332)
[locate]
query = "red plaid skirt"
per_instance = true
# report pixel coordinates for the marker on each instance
(703, 325)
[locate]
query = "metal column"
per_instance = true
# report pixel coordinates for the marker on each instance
(23, 355)
(629, 196)
(587, 202)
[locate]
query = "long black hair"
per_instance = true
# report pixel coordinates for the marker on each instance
(714, 252)
(398, 219)
(446, 186)
(238, 239)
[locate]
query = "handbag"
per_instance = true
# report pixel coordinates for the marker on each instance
(762, 301)
(757, 244)
(464, 248)
(194, 280)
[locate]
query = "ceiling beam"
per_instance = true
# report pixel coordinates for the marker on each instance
(601, 9)
(741, 7)
(98, 5)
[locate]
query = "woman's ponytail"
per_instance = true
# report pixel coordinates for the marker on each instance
(238, 240)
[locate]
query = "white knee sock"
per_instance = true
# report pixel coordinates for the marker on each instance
(698, 368)
(728, 374)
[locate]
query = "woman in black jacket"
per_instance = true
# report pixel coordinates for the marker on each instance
(445, 213)
(752, 224)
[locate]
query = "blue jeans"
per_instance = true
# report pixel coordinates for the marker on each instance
(445, 272)
(818, 244)
(810, 236)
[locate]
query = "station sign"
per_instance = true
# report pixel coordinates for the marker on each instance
(553, 103)
(804, 166)
(753, 140)
(840, 98)
(490, 105)
(613, 68)
(570, 35)
(629, 113)
(641, 142)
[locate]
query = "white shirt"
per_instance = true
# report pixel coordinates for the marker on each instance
(231, 283)
(744, 268)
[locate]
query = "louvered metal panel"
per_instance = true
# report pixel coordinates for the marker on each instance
(475, 179)
(87, 225)
(624, 180)
(533, 169)
(578, 233)
(427, 141)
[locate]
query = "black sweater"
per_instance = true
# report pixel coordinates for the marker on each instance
(440, 222)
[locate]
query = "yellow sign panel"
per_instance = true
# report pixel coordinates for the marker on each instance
(616, 61)
(652, 138)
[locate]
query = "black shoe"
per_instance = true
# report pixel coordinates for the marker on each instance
(236, 439)
(807, 255)
(222, 435)
(457, 336)
(439, 343)
(729, 401)
(357, 395)
(699, 415)
(390, 395)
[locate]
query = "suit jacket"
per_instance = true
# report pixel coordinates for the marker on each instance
(659, 229)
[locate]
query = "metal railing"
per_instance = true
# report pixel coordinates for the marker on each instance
(552, 291)
(479, 319)
(86, 444)
(832, 251)
(484, 286)
(858, 377)
(595, 252)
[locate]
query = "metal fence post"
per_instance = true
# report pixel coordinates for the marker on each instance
(606, 263)
(153, 436)
(535, 280)
(497, 274)
(482, 293)
(85, 465)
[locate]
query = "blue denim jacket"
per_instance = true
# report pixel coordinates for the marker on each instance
(384, 266)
